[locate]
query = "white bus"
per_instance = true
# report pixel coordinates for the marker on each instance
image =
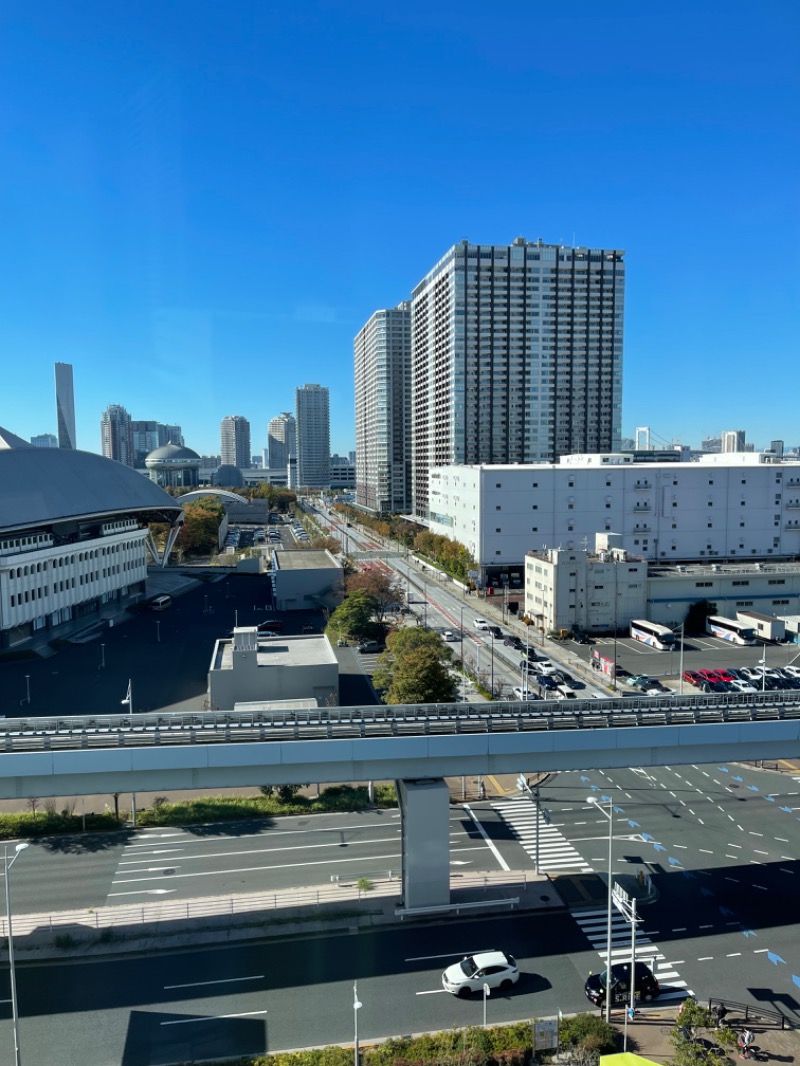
(660, 637)
(730, 629)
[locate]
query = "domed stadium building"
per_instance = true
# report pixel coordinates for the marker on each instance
(174, 467)
(74, 537)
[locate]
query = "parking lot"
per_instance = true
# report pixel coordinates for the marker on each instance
(699, 653)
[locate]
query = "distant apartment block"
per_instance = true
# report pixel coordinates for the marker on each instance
(516, 357)
(117, 435)
(312, 411)
(382, 361)
(45, 440)
(281, 441)
(733, 440)
(65, 406)
(235, 441)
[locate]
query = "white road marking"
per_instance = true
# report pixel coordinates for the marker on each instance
(705, 851)
(430, 992)
(145, 891)
(221, 981)
(214, 1017)
(732, 955)
(705, 958)
(490, 844)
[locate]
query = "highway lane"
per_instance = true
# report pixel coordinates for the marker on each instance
(281, 994)
(721, 843)
(248, 856)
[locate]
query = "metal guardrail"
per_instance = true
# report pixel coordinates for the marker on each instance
(454, 908)
(748, 1011)
(221, 727)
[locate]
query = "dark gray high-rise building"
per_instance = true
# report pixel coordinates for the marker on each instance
(516, 356)
(117, 435)
(65, 406)
(235, 441)
(312, 407)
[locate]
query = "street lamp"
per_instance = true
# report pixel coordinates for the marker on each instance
(609, 814)
(12, 973)
(461, 639)
(356, 1008)
(486, 993)
(762, 662)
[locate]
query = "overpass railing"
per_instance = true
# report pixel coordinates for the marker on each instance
(328, 723)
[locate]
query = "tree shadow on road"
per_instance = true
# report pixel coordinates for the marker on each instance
(84, 843)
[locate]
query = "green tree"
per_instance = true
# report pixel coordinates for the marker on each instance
(353, 616)
(415, 669)
(380, 587)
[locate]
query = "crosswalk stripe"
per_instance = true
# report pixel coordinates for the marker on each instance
(593, 923)
(555, 851)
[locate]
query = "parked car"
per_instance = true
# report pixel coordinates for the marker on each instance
(724, 675)
(636, 680)
(370, 646)
(709, 675)
(618, 983)
(714, 686)
(793, 670)
(741, 686)
(751, 673)
(692, 677)
(497, 969)
(580, 638)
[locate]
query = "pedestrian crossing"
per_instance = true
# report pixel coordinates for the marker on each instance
(594, 924)
(556, 854)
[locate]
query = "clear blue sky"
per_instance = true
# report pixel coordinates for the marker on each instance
(201, 203)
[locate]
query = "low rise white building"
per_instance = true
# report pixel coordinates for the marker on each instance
(249, 667)
(723, 507)
(306, 580)
(602, 591)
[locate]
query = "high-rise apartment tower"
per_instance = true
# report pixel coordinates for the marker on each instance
(117, 435)
(282, 440)
(235, 441)
(733, 440)
(312, 411)
(65, 406)
(382, 360)
(516, 356)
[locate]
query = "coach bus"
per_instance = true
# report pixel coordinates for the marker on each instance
(660, 637)
(730, 629)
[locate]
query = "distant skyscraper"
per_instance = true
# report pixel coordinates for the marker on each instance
(733, 440)
(65, 406)
(711, 444)
(145, 440)
(382, 357)
(312, 411)
(282, 440)
(170, 435)
(117, 434)
(775, 446)
(45, 440)
(235, 441)
(516, 356)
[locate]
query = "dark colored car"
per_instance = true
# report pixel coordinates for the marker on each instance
(496, 632)
(546, 681)
(580, 638)
(271, 625)
(713, 686)
(514, 642)
(645, 987)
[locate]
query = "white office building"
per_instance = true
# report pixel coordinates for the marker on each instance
(382, 361)
(516, 357)
(312, 411)
(723, 507)
(281, 442)
(733, 440)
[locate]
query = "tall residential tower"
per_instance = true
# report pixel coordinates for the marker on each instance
(312, 406)
(382, 357)
(516, 356)
(65, 406)
(282, 441)
(117, 434)
(235, 441)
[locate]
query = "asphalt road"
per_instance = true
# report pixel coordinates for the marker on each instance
(258, 997)
(219, 860)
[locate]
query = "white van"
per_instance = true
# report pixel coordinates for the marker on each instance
(160, 603)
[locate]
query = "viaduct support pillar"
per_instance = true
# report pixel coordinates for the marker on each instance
(425, 834)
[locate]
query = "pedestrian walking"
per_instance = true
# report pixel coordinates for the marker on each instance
(720, 1013)
(745, 1042)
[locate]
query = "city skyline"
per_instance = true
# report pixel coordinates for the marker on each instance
(127, 257)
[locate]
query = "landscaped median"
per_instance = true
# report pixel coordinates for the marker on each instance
(582, 1039)
(43, 819)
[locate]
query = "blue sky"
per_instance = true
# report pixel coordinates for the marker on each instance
(201, 203)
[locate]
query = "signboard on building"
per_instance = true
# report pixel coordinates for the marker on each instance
(545, 1034)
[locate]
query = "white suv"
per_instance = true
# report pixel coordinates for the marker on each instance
(480, 623)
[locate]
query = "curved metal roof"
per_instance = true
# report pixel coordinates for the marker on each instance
(171, 453)
(43, 485)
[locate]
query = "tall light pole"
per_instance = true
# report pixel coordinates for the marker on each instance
(609, 814)
(461, 639)
(762, 662)
(356, 1008)
(11, 971)
(486, 993)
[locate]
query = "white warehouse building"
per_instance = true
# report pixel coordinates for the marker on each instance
(725, 507)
